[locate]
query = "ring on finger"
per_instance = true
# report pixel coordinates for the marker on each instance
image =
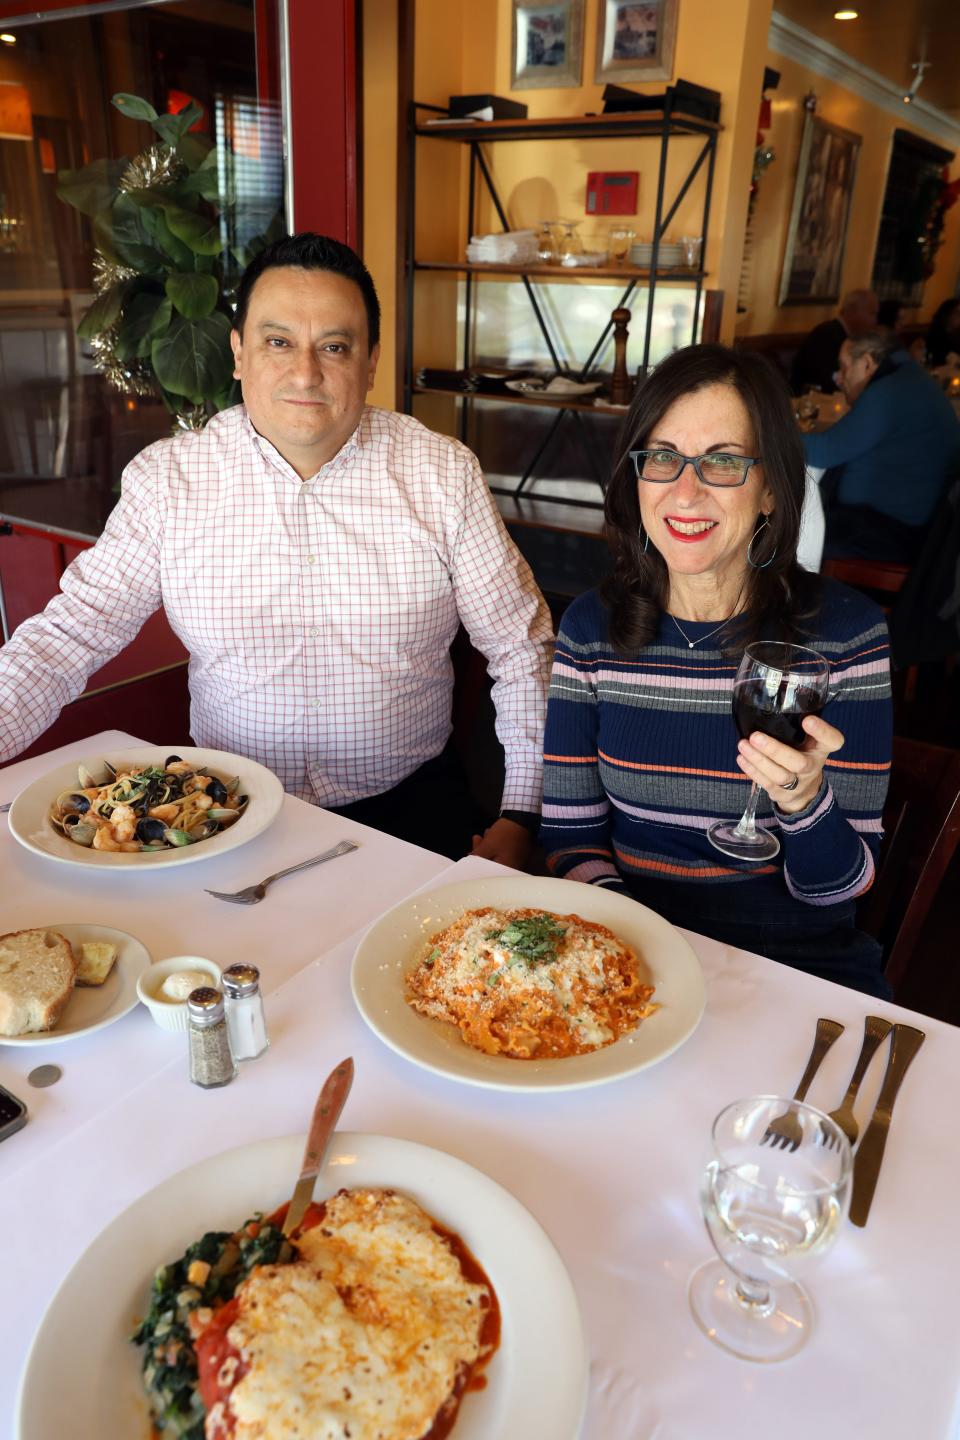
(791, 784)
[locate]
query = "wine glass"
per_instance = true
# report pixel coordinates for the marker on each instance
(776, 686)
(770, 1209)
(620, 239)
(546, 243)
(570, 246)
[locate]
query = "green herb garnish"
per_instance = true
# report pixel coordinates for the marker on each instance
(534, 940)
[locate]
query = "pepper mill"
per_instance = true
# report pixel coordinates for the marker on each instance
(621, 387)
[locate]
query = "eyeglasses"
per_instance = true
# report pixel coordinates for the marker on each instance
(664, 466)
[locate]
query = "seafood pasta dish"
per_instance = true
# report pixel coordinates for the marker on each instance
(372, 1322)
(529, 984)
(147, 807)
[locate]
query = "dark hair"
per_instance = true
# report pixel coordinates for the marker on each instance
(308, 251)
(880, 344)
(780, 596)
(888, 314)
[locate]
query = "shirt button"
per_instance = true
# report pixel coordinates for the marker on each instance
(315, 630)
(316, 704)
(311, 559)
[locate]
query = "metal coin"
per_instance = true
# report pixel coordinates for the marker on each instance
(44, 1075)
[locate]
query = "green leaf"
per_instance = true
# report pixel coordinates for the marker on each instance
(174, 249)
(194, 357)
(227, 397)
(103, 312)
(205, 180)
(134, 108)
(94, 188)
(128, 231)
(195, 150)
(194, 295)
(172, 128)
(201, 233)
(145, 316)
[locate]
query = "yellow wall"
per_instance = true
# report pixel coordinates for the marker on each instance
(774, 201)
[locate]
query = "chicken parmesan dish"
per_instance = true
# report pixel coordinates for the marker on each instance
(371, 1322)
(529, 984)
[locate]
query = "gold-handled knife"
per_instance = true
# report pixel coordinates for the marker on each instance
(904, 1044)
(326, 1113)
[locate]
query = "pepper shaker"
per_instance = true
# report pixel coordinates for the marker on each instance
(243, 1002)
(211, 1062)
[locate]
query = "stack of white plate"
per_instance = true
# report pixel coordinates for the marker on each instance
(671, 254)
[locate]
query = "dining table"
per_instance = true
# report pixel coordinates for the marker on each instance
(610, 1173)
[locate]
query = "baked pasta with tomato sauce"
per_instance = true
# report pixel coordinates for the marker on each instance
(371, 1324)
(529, 984)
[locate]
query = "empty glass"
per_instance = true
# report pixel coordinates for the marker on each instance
(691, 245)
(621, 238)
(770, 1209)
(546, 243)
(569, 246)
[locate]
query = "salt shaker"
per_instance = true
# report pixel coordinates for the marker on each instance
(244, 1006)
(211, 1062)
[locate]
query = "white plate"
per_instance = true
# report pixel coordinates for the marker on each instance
(30, 823)
(569, 388)
(82, 1377)
(90, 1007)
(393, 944)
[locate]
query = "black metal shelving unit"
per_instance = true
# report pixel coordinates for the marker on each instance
(662, 125)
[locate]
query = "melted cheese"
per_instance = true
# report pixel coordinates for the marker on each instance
(582, 998)
(364, 1336)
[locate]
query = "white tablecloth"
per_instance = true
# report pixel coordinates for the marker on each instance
(611, 1174)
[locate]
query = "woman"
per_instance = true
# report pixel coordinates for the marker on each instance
(641, 753)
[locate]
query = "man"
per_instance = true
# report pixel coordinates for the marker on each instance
(316, 556)
(815, 362)
(895, 450)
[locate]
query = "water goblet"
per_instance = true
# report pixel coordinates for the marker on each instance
(770, 1209)
(776, 686)
(570, 246)
(621, 238)
(546, 243)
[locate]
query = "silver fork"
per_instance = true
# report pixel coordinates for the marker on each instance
(253, 894)
(784, 1131)
(875, 1031)
(6, 807)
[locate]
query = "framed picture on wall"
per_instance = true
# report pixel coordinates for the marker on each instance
(635, 42)
(817, 235)
(547, 43)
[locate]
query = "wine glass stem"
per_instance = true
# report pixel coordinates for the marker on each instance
(754, 1297)
(746, 830)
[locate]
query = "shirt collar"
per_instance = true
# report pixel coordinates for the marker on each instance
(348, 450)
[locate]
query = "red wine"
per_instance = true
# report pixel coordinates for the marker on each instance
(755, 709)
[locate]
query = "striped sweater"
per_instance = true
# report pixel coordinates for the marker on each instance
(640, 759)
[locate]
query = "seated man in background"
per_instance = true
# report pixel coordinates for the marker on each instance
(815, 363)
(894, 452)
(316, 556)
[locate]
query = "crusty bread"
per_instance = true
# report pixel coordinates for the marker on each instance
(37, 973)
(95, 960)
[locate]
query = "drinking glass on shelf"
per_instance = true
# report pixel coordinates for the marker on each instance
(776, 686)
(770, 1209)
(691, 245)
(621, 238)
(569, 245)
(546, 243)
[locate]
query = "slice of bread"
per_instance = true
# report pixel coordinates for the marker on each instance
(37, 973)
(94, 961)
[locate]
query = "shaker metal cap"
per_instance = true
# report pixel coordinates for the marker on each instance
(205, 1005)
(239, 980)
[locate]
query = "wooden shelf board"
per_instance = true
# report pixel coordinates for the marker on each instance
(634, 123)
(562, 272)
(552, 515)
(551, 402)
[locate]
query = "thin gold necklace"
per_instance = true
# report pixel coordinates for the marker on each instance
(691, 643)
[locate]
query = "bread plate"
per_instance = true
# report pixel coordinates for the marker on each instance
(82, 1376)
(393, 945)
(30, 823)
(91, 1007)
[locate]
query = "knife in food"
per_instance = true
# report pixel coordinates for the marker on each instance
(904, 1044)
(326, 1113)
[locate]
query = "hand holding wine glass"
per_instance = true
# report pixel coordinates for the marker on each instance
(778, 694)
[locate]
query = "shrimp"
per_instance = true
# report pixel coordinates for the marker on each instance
(164, 812)
(103, 840)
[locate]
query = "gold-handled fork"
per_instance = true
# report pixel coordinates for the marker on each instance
(875, 1031)
(784, 1132)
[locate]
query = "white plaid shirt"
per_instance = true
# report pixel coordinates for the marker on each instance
(318, 614)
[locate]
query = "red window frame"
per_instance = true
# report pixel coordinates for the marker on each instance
(322, 101)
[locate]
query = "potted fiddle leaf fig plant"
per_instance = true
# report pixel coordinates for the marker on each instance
(163, 272)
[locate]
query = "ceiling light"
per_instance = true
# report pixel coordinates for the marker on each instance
(7, 38)
(846, 14)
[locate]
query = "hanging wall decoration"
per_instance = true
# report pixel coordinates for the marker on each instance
(635, 42)
(817, 236)
(547, 44)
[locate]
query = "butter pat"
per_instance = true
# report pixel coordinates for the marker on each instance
(179, 985)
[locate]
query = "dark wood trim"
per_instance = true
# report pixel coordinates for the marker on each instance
(712, 316)
(406, 21)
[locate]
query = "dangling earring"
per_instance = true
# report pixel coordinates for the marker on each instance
(646, 535)
(753, 540)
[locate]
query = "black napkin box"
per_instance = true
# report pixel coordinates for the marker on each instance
(463, 105)
(685, 97)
